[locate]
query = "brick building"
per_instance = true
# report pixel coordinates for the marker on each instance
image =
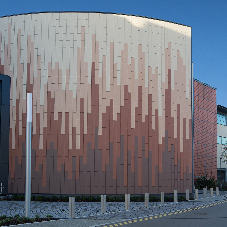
(205, 130)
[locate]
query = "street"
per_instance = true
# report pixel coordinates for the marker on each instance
(211, 216)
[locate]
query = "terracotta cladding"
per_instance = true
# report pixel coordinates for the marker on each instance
(111, 104)
(205, 130)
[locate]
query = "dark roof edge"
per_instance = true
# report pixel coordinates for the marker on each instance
(222, 109)
(205, 84)
(93, 12)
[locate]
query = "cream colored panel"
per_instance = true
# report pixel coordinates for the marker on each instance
(40, 141)
(145, 40)
(135, 45)
(110, 27)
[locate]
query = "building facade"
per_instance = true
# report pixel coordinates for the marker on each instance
(112, 109)
(4, 129)
(205, 130)
(221, 143)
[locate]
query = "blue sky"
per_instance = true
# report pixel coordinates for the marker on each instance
(208, 19)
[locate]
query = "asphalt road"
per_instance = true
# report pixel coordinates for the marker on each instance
(212, 216)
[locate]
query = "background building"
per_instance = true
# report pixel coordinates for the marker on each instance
(205, 130)
(221, 141)
(4, 129)
(111, 102)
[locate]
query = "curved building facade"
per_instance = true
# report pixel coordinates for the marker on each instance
(111, 102)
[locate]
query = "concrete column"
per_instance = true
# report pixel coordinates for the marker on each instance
(196, 193)
(146, 200)
(217, 191)
(162, 198)
(187, 194)
(103, 203)
(71, 207)
(127, 201)
(204, 192)
(211, 192)
(175, 196)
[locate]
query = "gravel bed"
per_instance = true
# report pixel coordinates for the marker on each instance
(92, 210)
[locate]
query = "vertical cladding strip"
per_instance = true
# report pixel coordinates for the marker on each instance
(156, 149)
(133, 94)
(183, 154)
(139, 138)
(78, 96)
(124, 131)
(168, 132)
(102, 141)
(17, 108)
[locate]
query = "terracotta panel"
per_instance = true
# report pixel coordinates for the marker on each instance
(145, 174)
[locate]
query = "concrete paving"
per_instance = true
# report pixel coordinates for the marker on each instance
(88, 213)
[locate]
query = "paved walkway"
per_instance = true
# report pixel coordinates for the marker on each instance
(208, 216)
(88, 213)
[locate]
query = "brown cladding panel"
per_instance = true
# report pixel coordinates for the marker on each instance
(145, 174)
(131, 178)
(156, 189)
(120, 168)
(150, 171)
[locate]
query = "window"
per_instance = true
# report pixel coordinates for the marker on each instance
(224, 140)
(221, 119)
(219, 140)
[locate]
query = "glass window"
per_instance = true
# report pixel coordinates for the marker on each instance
(224, 140)
(219, 140)
(221, 119)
